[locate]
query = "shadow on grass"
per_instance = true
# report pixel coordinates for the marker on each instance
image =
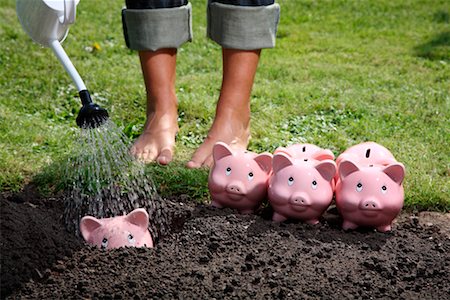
(438, 48)
(441, 16)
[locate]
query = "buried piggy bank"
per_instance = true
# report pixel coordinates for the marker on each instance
(238, 178)
(369, 192)
(301, 186)
(130, 230)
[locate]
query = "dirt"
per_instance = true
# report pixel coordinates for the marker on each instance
(218, 253)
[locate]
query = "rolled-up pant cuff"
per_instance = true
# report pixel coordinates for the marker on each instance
(153, 29)
(243, 27)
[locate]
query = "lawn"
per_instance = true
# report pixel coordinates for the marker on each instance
(343, 72)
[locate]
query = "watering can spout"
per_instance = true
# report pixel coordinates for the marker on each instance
(91, 115)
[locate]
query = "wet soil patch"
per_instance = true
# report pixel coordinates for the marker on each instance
(214, 253)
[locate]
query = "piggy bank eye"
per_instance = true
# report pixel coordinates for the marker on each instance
(314, 185)
(250, 176)
(291, 181)
(384, 189)
(228, 171)
(131, 238)
(359, 187)
(104, 244)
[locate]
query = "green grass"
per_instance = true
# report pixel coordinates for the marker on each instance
(342, 72)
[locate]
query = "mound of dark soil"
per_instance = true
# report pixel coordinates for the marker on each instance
(214, 253)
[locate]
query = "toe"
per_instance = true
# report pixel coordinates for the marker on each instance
(165, 156)
(208, 162)
(200, 156)
(133, 151)
(193, 164)
(148, 155)
(138, 155)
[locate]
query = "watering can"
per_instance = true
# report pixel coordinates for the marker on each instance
(47, 22)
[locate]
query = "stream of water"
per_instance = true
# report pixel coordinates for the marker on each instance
(104, 180)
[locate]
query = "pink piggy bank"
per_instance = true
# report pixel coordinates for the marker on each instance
(366, 154)
(369, 192)
(238, 178)
(130, 230)
(301, 186)
(306, 151)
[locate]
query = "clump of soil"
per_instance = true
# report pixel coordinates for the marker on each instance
(213, 253)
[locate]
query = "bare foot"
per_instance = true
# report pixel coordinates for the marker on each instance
(227, 128)
(157, 141)
(232, 122)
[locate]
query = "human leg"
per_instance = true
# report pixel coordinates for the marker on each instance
(156, 28)
(242, 28)
(232, 120)
(157, 141)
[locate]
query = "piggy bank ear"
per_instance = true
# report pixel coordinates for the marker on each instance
(323, 155)
(346, 168)
(221, 150)
(87, 225)
(327, 169)
(281, 161)
(264, 160)
(281, 150)
(138, 217)
(342, 157)
(396, 172)
(389, 161)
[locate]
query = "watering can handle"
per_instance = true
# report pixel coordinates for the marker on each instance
(69, 11)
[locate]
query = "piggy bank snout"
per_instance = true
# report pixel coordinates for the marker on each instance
(236, 188)
(300, 200)
(370, 204)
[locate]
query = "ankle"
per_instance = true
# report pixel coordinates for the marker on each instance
(237, 115)
(162, 103)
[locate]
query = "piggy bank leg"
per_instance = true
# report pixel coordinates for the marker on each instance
(278, 218)
(216, 204)
(312, 222)
(349, 225)
(384, 228)
(246, 211)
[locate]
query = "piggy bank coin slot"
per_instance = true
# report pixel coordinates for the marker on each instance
(368, 153)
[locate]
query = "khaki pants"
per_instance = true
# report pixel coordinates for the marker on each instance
(233, 24)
